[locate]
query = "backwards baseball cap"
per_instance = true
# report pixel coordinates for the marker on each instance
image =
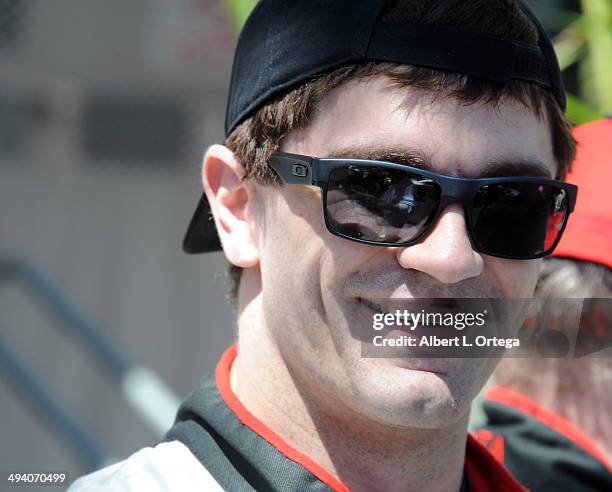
(588, 235)
(287, 43)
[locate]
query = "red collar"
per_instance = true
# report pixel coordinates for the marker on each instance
(484, 472)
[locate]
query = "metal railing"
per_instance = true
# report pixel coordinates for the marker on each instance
(141, 387)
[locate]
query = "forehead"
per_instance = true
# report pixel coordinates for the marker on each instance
(452, 137)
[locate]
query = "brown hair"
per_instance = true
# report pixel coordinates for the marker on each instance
(260, 135)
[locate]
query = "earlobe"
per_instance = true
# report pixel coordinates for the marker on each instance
(230, 202)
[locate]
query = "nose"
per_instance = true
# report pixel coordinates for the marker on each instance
(446, 253)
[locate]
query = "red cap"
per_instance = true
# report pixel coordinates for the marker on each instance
(588, 235)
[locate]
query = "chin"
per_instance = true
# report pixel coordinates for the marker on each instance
(393, 393)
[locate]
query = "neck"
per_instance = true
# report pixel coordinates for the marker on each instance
(363, 454)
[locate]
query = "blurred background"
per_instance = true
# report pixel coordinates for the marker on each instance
(106, 109)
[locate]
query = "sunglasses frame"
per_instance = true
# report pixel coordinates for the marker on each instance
(313, 171)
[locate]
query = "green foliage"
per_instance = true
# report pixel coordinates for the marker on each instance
(239, 11)
(587, 41)
(598, 34)
(580, 112)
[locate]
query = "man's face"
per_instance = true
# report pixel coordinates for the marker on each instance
(313, 283)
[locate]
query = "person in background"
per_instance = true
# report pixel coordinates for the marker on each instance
(549, 419)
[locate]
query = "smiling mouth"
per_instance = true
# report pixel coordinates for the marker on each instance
(415, 362)
(387, 309)
(441, 304)
(413, 305)
(412, 316)
(373, 306)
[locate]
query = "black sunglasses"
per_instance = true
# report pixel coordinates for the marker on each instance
(389, 204)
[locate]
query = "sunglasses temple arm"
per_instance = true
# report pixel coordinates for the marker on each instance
(293, 168)
(574, 198)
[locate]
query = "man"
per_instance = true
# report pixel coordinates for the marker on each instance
(416, 100)
(548, 419)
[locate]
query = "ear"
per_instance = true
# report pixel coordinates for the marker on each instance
(229, 200)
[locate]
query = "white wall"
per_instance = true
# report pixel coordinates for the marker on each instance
(108, 234)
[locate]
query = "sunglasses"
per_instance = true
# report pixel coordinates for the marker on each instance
(389, 204)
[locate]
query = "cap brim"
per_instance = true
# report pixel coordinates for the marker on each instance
(201, 234)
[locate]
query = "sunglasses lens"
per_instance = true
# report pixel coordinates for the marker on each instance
(520, 220)
(379, 204)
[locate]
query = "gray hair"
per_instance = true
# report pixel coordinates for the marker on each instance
(546, 377)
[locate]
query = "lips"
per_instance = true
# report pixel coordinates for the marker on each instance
(373, 306)
(420, 359)
(437, 305)
(391, 306)
(401, 325)
(424, 306)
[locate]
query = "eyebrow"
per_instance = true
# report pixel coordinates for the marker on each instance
(417, 158)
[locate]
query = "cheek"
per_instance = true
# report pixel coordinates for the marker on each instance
(517, 278)
(292, 239)
(298, 252)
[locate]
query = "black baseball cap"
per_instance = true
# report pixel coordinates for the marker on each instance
(287, 43)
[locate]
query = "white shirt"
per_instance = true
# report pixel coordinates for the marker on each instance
(169, 466)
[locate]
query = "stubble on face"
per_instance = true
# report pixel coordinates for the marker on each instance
(312, 282)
